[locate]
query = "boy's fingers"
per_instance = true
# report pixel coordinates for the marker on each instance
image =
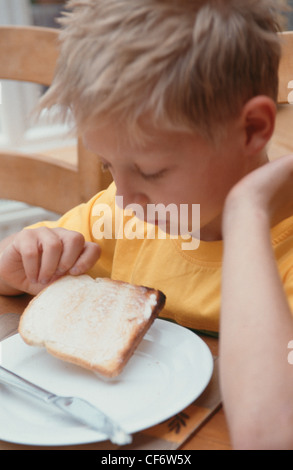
(26, 249)
(73, 245)
(70, 252)
(87, 259)
(46, 254)
(50, 253)
(40, 251)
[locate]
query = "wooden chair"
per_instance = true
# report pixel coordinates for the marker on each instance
(29, 54)
(282, 141)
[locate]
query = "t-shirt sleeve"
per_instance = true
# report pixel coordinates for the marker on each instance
(84, 219)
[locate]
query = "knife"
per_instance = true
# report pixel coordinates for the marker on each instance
(77, 407)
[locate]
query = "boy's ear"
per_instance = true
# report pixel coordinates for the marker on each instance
(258, 118)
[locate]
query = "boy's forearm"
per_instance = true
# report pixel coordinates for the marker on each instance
(5, 289)
(256, 326)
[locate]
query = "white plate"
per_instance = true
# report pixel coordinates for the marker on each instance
(169, 370)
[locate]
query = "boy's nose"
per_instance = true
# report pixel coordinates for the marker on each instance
(129, 194)
(127, 199)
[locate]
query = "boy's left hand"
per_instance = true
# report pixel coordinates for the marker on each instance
(267, 190)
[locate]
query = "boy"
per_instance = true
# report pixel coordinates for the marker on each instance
(178, 100)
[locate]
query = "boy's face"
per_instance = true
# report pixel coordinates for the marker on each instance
(172, 168)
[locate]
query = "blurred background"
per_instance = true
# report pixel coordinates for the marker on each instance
(290, 16)
(18, 132)
(18, 99)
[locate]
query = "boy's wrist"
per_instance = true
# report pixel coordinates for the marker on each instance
(6, 289)
(242, 212)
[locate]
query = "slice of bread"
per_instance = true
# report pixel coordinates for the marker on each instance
(94, 323)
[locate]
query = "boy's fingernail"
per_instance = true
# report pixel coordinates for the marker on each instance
(74, 271)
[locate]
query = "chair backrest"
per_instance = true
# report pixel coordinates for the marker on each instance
(286, 67)
(282, 142)
(29, 54)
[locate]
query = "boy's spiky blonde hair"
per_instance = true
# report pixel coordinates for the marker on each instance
(188, 64)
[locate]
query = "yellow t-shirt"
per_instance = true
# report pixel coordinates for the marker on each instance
(190, 279)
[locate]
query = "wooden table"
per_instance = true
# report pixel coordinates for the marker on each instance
(213, 435)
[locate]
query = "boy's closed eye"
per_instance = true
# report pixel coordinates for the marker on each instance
(105, 166)
(147, 176)
(152, 176)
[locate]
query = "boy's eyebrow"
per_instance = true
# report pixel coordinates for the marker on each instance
(101, 158)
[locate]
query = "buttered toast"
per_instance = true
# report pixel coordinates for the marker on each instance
(94, 323)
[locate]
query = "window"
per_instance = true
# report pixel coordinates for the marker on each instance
(17, 100)
(17, 129)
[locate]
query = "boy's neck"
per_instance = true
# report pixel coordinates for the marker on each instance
(213, 231)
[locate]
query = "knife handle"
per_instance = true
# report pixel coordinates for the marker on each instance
(10, 378)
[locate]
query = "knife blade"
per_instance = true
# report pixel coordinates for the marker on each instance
(78, 408)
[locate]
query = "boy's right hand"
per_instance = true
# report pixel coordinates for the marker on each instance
(33, 258)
